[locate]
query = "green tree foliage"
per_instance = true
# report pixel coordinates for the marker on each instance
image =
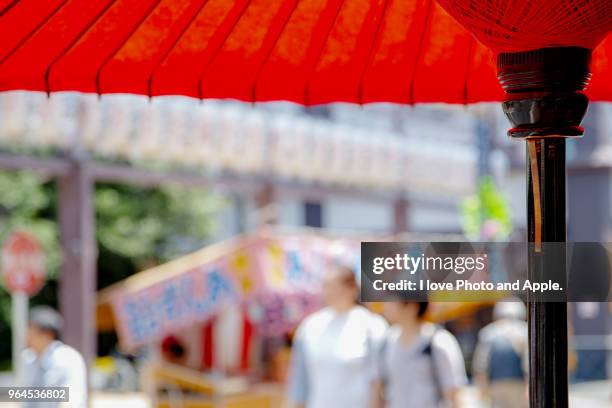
(486, 215)
(139, 227)
(135, 228)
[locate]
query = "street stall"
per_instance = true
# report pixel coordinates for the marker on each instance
(215, 322)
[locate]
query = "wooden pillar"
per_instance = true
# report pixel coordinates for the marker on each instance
(400, 216)
(77, 298)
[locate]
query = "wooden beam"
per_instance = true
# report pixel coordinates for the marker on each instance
(123, 173)
(226, 182)
(78, 284)
(45, 166)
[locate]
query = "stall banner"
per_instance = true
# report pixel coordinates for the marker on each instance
(166, 307)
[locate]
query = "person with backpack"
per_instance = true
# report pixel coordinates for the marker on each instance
(500, 357)
(421, 365)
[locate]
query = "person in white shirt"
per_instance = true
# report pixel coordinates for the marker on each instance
(48, 362)
(335, 349)
(421, 365)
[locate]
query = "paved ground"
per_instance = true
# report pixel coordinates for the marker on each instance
(591, 395)
(585, 395)
(595, 394)
(120, 401)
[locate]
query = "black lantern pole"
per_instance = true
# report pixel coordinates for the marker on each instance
(545, 104)
(547, 320)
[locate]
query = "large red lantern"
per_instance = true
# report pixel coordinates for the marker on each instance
(543, 53)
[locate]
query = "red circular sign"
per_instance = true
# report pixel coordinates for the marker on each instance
(23, 263)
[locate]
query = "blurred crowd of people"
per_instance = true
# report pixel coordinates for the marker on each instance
(344, 355)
